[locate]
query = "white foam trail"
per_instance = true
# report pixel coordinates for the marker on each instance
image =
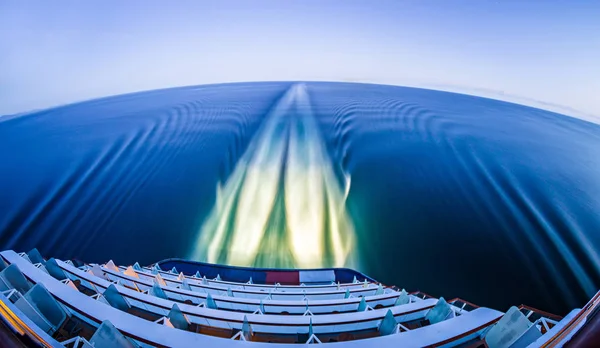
(217, 222)
(309, 227)
(259, 189)
(256, 203)
(348, 182)
(304, 191)
(340, 225)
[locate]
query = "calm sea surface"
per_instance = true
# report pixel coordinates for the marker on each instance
(453, 195)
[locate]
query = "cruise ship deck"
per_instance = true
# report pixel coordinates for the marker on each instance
(179, 303)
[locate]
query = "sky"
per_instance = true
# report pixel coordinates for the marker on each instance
(542, 51)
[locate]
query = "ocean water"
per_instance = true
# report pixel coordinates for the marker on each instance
(453, 195)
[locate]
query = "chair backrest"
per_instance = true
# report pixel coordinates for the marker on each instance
(32, 313)
(54, 269)
(35, 256)
(509, 328)
(177, 318)
(13, 277)
(47, 305)
(108, 336)
(115, 299)
(440, 312)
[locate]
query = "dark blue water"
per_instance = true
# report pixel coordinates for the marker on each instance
(453, 195)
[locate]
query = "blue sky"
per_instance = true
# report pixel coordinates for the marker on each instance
(57, 52)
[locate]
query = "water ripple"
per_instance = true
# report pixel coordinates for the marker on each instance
(451, 194)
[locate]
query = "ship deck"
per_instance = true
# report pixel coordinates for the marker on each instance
(179, 303)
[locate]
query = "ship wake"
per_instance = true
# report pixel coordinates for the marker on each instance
(283, 205)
